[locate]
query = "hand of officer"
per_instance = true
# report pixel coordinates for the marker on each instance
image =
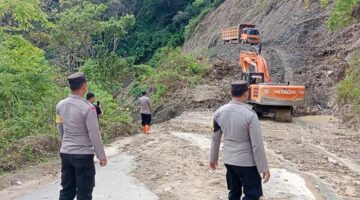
(266, 176)
(213, 165)
(103, 162)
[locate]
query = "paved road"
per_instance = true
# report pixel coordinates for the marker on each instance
(112, 182)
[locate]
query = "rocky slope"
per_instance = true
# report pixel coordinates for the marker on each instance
(296, 43)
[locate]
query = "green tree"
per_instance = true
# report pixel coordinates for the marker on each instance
(81, 32)
(72, 35)
(21, 14)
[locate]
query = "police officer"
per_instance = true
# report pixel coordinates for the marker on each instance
(243, 149)
(90, 97)
(80, 137)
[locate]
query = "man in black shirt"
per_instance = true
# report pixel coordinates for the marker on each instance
(90, 97)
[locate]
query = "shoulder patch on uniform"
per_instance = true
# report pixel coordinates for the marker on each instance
(58, 119)
(216, 126)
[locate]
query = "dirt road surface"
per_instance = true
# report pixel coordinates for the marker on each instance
(311, 158)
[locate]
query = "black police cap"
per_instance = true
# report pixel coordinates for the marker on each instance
(90, 95)
(76, 80)
(238, 88)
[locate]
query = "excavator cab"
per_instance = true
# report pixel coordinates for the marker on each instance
(254, 78)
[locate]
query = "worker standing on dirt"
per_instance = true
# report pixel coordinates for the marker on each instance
(243, 150)
(78, 128)
(145, 111)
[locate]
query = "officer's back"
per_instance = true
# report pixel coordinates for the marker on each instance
(243, 150)
(80, 139)
(74, 111)
(235, 120)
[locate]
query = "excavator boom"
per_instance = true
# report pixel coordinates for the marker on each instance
(253, 62)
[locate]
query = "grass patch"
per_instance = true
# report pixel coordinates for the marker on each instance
(348, 90)
(343, 14)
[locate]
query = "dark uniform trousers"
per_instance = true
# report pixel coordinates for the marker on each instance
(77, 176)
(243, 180)
(145, 119)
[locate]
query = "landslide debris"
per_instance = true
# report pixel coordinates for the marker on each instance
(212, 92)
(296, 43)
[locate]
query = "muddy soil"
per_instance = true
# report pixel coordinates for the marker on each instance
(311, 158)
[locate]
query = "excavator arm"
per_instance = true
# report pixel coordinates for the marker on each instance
(253, 62)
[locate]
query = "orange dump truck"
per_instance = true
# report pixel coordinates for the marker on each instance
(245, 33)
(267, 98)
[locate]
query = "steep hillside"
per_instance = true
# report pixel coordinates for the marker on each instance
(296, 43)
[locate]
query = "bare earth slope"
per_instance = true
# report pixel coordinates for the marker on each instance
(296, 43)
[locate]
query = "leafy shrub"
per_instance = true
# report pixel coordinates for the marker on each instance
(108, 71)
(27, 91)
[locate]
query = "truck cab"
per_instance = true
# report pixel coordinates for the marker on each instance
(250, 35)
(244, 33)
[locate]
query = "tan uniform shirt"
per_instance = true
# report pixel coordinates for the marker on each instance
(243, 145)
(145, 105)
(78, 127)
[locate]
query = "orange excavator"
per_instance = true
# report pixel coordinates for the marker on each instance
(267, 98)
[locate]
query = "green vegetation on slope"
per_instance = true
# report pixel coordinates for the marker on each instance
(30, 87)
(27, 90)
(174, 70)
(348, 91)
(344, 12)
(163, 23)
(43, 41)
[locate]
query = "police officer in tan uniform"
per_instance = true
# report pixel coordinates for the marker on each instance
(78, 128)
(243, 150)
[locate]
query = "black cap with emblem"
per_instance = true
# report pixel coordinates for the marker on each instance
(238, 88)
(76, 80)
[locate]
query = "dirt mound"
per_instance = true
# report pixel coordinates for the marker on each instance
(296, 43)
(27, 151)
(202, 96)
(210, 94)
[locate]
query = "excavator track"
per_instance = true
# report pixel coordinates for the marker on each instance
(283, 114)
